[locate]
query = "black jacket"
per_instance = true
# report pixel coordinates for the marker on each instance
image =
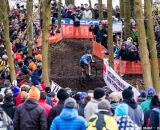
(55, 111)
(9, 108)
(30, 116)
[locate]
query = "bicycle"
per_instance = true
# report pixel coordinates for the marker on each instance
(85, 78)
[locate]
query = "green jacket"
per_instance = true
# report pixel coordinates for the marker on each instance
(146, 104)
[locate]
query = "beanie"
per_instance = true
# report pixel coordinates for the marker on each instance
(62, 94)
(15, 90)
(121, 110)
(151, 92)
(105, 105)
(127, 93)
(99, 93)
(34, 93)
(70, 103)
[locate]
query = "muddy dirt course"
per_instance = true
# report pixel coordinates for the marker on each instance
(65, 68)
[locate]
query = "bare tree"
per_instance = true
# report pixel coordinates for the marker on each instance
(5, 13)
(46, 15)
(143, 44)
(110, 34)
(152, 45)
(100, 8)
(127, 16)
(59, 13)
(30, 25)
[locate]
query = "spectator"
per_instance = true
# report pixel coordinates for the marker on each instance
(62, 95)
(155, 103)
(42, 103)
(142, 97)
(103, 120)
(115, 99)
(146, 104)
(123, 120)
(101, 36)
(134, 111)
(30, 115)
(69, 118)
(87, 14)
(92, 106)
(155, 114)
(8, 105)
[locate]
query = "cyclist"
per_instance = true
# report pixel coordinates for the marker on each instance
(85, 60)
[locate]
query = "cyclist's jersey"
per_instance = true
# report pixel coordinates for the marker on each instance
(86, 59)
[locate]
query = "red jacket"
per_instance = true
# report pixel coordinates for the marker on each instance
(46, 107)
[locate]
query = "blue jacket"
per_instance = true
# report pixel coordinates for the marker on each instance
(69, 120)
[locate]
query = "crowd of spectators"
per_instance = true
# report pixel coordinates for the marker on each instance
(97, 109)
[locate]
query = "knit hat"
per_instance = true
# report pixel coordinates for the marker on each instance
(99, 93)
(121, 110)
(34, 93)
(127, 93)
(105, 105)
(151, 92)
(38, 57)
(32, 66)
(62, 94)
(70, 103)
(15, 90)
(143, 94)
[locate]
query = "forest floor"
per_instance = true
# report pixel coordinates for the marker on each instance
(65, 68)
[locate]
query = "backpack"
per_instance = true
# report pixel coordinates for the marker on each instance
(5, 121)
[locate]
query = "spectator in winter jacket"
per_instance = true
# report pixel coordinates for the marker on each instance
(146, 104)
(123, 120)
(115, 98)
(30, 115)
(154, 104)
(69, 119)
(8, 105)
(134, 111)
(42, 103)
(142, 97)
(103, 120)
(62, 95)
(92, 106)
(87, 14)
(155, 114)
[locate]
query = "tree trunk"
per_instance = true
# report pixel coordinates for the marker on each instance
(30, 26)
(59, 13)
(121, 7)
(132, 8)
(152, 46)
(45, 40)
(100, 9)
(4, 8)
(110, 33)
(127, 16)
(143, 45)
(90, 4)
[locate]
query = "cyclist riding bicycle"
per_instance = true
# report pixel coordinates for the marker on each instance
(85, 60)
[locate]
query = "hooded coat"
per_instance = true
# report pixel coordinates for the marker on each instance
(69, 120)
(135, 112)
(30, 116)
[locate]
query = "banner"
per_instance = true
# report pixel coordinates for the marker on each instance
(82, 21)
(113, 80)
(55, 87)
(117, 27)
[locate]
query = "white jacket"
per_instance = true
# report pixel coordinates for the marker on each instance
(87, 14)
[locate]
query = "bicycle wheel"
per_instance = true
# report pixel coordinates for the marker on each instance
(93, 72)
